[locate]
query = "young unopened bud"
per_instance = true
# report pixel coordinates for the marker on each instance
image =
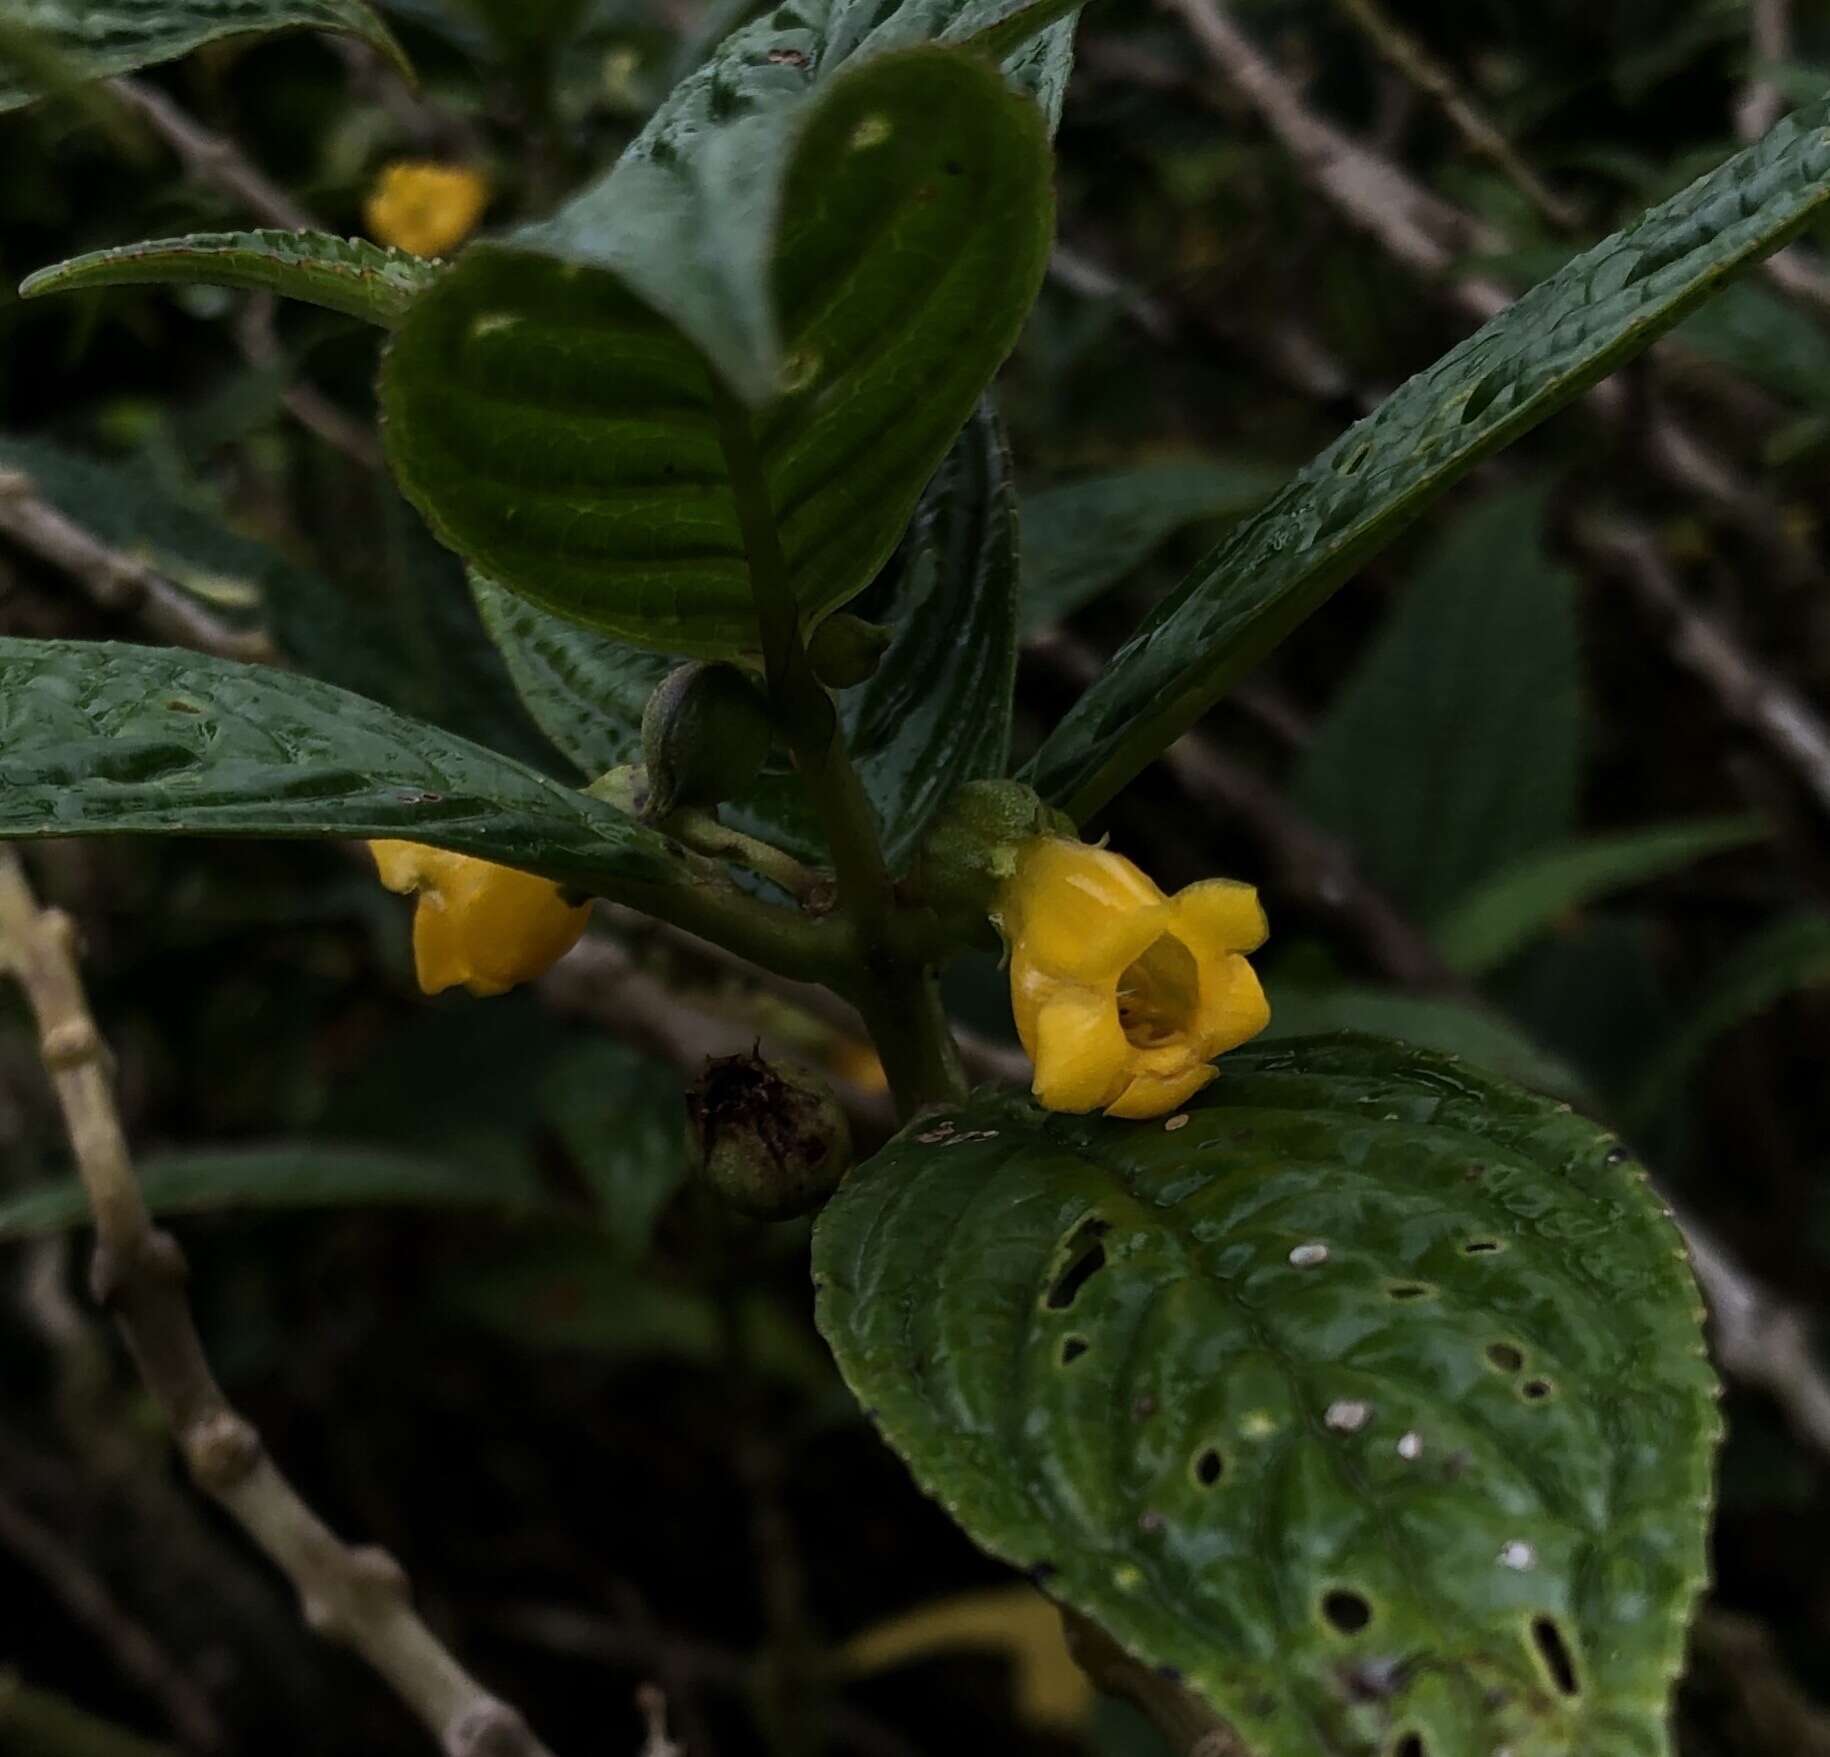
(705, 733)
(770, 1140)
(846, 650)
(971, 849)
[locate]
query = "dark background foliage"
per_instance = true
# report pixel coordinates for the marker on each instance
(456, 1278)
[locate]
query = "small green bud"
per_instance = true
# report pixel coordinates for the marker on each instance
(770, 1140)
(705, 734)
(846, 650)
(971, 849)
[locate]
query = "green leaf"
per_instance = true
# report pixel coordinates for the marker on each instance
(343, 274)
(584, 690)
(1082, 538)
(1754, 331)
(1490, 924)
(1454, 748)
(91, 39)
(936, 713)
(1481, 1036)
(400, 628)
(853, 253)
(622, 1118)
(102, 739)
(294, 1175)
(1791, 955)
(1367, 1394)
(1275, 568)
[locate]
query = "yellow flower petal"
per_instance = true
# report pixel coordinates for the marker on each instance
(1157, 1094)
(1080, 1052)
(1233, 1008)
(488, 927)
(1123, 997)
(1080, 912)
(1222, 913)
(425, 208)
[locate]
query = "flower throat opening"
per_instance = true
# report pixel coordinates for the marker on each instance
(1158, 994)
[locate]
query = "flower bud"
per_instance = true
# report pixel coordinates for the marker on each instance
(846, 650)
(705, 734)
(970, 850)
(770, 1140)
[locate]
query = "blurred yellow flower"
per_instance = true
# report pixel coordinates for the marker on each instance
(1124, 996)
(425, 208)
(486, 926)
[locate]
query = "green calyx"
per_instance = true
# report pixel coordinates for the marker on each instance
(971, 849)
(705, 734)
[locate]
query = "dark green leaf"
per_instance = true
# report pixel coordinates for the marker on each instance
(623, 1119)
(1594, 314)
(90, 39)
(1082, 538)
(1490, 924)
(1485, 1038)
(853, 253)
(1791, 955)
(937, 712)
(1454, 749)
(297, 1175)
(1368, 1394)
(343, 274)
(585, 691)
(103, 739)
(399, 627)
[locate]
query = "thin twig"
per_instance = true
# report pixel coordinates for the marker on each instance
(85, 1596)
(601, 1640)
(1761, 103)
(599, 980)
(213, 158)
(118, 581)
(1411, 59)
(357, 1595)
(1745, 689)
(1429, 236)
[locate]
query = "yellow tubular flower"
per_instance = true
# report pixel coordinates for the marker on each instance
(486, 926)
(425, 208)
(1124, 996)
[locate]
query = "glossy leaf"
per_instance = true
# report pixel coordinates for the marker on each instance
(1499, 918)
(1594, 314)
(299, 1175)
(585, 690)
(937, 712)
(1082, 538)
(102, 739)
(852, 252)
(1367, 1394)
(91, 39)
(1482, 1036)
(1455, 747)
(349, 275)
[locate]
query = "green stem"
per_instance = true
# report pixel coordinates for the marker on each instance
(896, 992)
(703, 832)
